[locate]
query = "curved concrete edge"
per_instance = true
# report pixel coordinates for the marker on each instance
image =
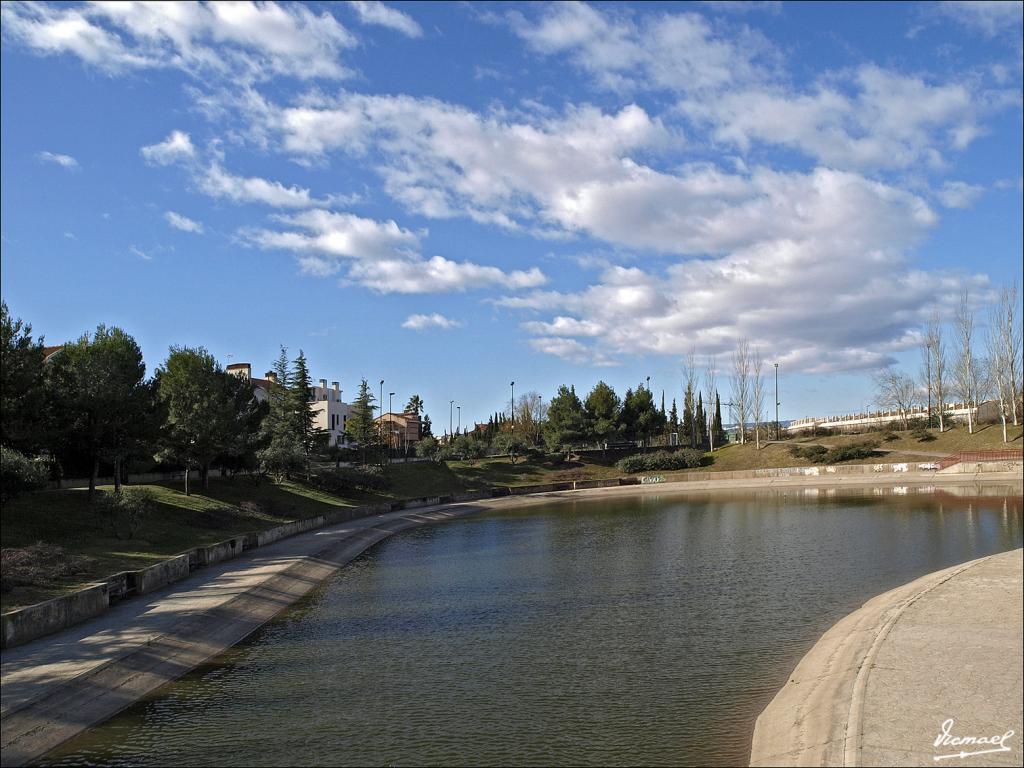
(815, 719)
(29, 731)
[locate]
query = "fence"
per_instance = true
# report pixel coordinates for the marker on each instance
(968, 456)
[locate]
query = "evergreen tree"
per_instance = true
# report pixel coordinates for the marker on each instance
(641, 417)
(717, 428)
(565, 425)
(282, 451)
(602, 412)
(22, 394)
(300, 387)
(688, 417)
(426, 428)
(673, 418)
(699, 423)
(361, 424)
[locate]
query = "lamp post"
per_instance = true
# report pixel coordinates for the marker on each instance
(391, 419)
(512, 409)
(380, 424)
(459, 424)
(778, 433)
(451, 403)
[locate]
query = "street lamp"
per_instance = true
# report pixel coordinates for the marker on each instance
(459, 409)
(380, 424)
(451, 403)
(512, 410)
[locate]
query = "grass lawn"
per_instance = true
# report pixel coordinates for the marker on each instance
(64, 518)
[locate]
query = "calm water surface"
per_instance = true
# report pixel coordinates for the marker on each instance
(646, 630)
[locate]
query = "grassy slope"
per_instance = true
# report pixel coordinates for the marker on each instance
(182, 522)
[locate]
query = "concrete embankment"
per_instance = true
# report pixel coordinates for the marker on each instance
(56, 686)
(927, 672)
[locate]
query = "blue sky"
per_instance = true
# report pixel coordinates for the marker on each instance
(452, 196)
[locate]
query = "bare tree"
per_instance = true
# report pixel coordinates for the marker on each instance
(741, 386)
(757, 396)
(690, 390)
(937, 367)
(530, 414)
(1004, 347)
(895, 391)
(965, 368)
(710, 390)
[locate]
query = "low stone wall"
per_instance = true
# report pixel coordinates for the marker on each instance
(160, 575)
(975, 467)
(40, 619)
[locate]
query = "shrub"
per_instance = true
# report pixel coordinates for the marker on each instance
(815, 453)
(38, 565)
(126, 510)
(20, 473)
(819, 454)
(889, 436)
(686, 458)
(923, 435)
(348, 479)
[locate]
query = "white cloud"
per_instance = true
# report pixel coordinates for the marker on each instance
(135, 250)
(379, 255)
(990, 17)
(426, 322)
(371, 12)
(239, 40)
(959, 194)
(670, 51)
(872, 118)
(64, 161)
(175, 148)
(184, 223)
(217, 182)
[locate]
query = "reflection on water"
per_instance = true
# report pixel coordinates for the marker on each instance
(647, 630)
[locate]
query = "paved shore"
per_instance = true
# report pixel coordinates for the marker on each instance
(908, 677)
(57, 686)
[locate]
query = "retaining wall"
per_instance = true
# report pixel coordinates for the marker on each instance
(40, 619)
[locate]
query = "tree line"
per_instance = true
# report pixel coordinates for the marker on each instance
(91, 403)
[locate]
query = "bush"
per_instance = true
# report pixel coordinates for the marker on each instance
(819, 454)
(344, 480)
(38, 565)
(889, 436)
(686, 458)
(923, 435)
(21, 474)
(126, 510)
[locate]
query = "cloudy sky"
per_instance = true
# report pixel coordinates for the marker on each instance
(451, 196)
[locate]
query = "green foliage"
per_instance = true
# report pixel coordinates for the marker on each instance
(566, 423)
(602, 410)
(22, 394)
(126, 510)
(819, 454)
(888, 436)
(20, 473)
(685, 458)
(512, 445)
(342, 480)
(361, 425)
(922, 435)
(310, 437)
(640, 418)
(428, 448)
(282, 451)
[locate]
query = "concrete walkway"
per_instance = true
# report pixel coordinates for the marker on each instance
(907, 677)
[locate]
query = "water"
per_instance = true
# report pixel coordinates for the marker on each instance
(646, 630)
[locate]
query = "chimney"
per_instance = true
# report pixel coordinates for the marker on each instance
(335, 386)
(271, 377)
(323, 383)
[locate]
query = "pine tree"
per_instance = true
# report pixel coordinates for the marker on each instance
(303, 413)
(717, 428)
(283, 450)
(673, 418)
(361, 424)
(688, 435)
(699, 422)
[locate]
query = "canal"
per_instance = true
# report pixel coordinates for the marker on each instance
(632, 630)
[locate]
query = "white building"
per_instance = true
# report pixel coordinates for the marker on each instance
(331, 412)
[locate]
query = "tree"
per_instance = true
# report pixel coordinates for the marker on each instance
(1005, 346)
(97, 385)
(690, 397)
(426, 428)
(199, 401)
(243, 440)
(711, 391)
(361, 424)
(415, 405)
(640, 415)
(895, 391)
(688, 431)
(282, 451)
(427, 448)
(310, 436)
(602, 411)
(741, 385)
(699, 421)
(511, 444)
(717, 430)
(936, 368)
(22, 391)
(529, 417)
(565, 425)
(965, 367)
(757, 396)
(673, 418)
